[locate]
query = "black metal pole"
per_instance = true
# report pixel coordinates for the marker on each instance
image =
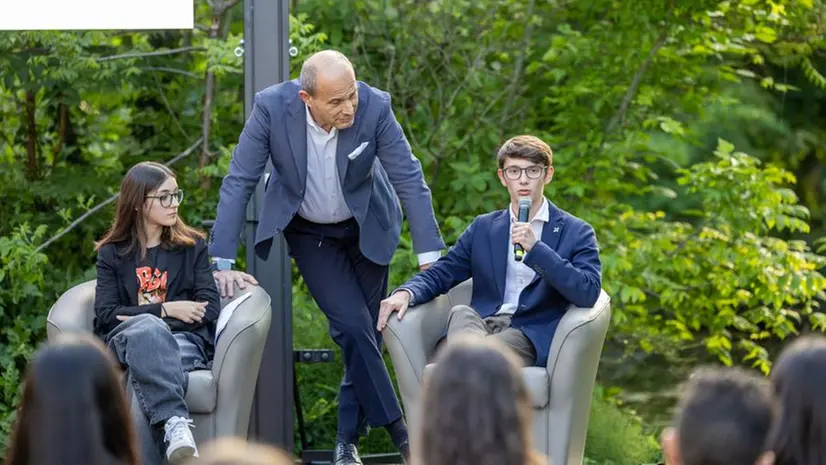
(267, 62)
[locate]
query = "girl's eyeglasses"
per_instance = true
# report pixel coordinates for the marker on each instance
(166, 198)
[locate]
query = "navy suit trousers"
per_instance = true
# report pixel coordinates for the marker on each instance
(348, 288)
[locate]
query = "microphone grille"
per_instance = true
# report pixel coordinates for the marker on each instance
(525, 202)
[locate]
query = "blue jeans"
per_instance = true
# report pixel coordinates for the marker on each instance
(156, 362)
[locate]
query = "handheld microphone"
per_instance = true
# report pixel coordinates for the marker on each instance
(522, 217)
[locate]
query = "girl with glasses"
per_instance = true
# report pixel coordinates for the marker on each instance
(156, 305)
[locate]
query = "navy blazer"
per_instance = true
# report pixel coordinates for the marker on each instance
(189, 278)
(375, 183)
(566, 261)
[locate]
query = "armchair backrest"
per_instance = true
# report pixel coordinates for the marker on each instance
(74, 311)
(572, 369)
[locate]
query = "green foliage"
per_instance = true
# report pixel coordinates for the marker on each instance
(723, 276)
(21, 281)
(616, 436)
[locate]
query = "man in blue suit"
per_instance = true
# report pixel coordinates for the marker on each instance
(342, 169)
(519, 302)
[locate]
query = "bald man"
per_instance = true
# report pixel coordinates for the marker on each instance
(341, 164)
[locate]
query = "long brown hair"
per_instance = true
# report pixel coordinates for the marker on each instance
(798, 377)
(475, 408)
(129, 225)
(74, 408)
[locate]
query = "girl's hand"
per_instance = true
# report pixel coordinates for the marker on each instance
(185, 310)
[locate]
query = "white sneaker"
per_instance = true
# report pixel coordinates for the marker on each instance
(181, 443)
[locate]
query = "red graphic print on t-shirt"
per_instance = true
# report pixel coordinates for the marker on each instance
(151, 285)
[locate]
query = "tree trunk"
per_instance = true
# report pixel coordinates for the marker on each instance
(31, 136)
(218, 29)
(62, 128)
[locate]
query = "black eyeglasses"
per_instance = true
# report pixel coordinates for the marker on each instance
(513, 173)
(166, 198)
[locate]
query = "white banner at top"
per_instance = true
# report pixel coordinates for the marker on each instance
(27, 15)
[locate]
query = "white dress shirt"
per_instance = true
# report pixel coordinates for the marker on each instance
(518, 275)
(323, 200)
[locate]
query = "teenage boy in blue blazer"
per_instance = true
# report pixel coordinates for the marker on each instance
(518, 301)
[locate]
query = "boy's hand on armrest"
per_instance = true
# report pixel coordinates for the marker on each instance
(397, 302)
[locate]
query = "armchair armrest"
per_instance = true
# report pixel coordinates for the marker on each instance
(572, 368)
(412, 341)
(237, 360)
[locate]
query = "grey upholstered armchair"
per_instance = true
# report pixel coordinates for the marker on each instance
(220, 400)
(561, 391)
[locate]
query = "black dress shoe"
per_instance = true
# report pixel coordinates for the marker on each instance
(346, 454)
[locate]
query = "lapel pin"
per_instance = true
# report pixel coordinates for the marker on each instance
(556, 230)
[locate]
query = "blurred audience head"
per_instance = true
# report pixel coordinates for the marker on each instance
(236, 451)
(799, 381)
(475, 408)
(74, 408)
(723, 418)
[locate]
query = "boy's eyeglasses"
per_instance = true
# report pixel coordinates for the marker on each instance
(513, 173)
(166, 198)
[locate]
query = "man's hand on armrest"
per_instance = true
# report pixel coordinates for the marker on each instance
(397, 302)
(227, 279)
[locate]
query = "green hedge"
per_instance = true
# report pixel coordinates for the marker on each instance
(617, 436)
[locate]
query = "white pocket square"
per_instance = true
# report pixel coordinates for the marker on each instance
(355, 153)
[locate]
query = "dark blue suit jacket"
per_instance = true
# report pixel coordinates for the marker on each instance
(375, 184)
(566, 261)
